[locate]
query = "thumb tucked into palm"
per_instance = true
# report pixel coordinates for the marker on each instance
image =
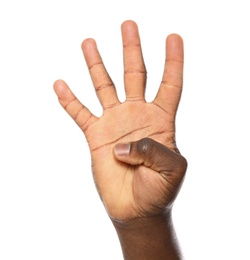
(151, 154)
(159, 159)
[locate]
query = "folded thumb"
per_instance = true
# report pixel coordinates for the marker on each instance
(151, 154)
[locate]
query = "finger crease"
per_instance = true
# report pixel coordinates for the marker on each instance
(131, 45)
(83, 126)
(166, 83)
(174, 60)
(79, 111)
(135, 71)
(101, 87)
(173, 72)
(70, 102)
(134, 99)
(110, 106)
(95, 64)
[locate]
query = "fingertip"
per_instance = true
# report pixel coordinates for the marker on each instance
(174, 39)
(88, 43)
(130, 33)
(174, 36)
(59, 87)
(128, 23)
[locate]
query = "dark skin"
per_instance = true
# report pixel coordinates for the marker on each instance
(136, 180)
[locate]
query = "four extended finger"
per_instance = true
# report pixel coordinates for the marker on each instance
(81, 115)
(134, 67)
(169, 93)
(102, 82)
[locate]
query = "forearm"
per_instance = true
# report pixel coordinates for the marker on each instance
(148, 239)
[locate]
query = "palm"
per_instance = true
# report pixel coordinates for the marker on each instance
(124, 123)
(118, 185)
(130, 121)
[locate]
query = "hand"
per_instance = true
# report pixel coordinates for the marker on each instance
(131, 190)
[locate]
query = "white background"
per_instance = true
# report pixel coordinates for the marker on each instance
(49, 208)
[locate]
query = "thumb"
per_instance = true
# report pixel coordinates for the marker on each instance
(151, 154)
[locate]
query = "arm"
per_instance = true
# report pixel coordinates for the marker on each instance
(134, 195)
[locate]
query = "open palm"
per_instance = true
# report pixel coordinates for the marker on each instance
(128, 191)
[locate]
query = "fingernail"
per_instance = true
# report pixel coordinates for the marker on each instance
(122, 149)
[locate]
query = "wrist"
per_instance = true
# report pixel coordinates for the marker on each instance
(148, 238)
(144, 222)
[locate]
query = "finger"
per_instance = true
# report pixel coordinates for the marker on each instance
(102, 82)
(134, 67)
(81, 115)
(168, 96)
(151, 154)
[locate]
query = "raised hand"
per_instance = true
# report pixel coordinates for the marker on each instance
(131, 190)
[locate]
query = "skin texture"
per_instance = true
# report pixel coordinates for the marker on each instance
(133, 180)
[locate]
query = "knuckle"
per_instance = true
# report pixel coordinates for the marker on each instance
(182, 164)
(145, 145)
